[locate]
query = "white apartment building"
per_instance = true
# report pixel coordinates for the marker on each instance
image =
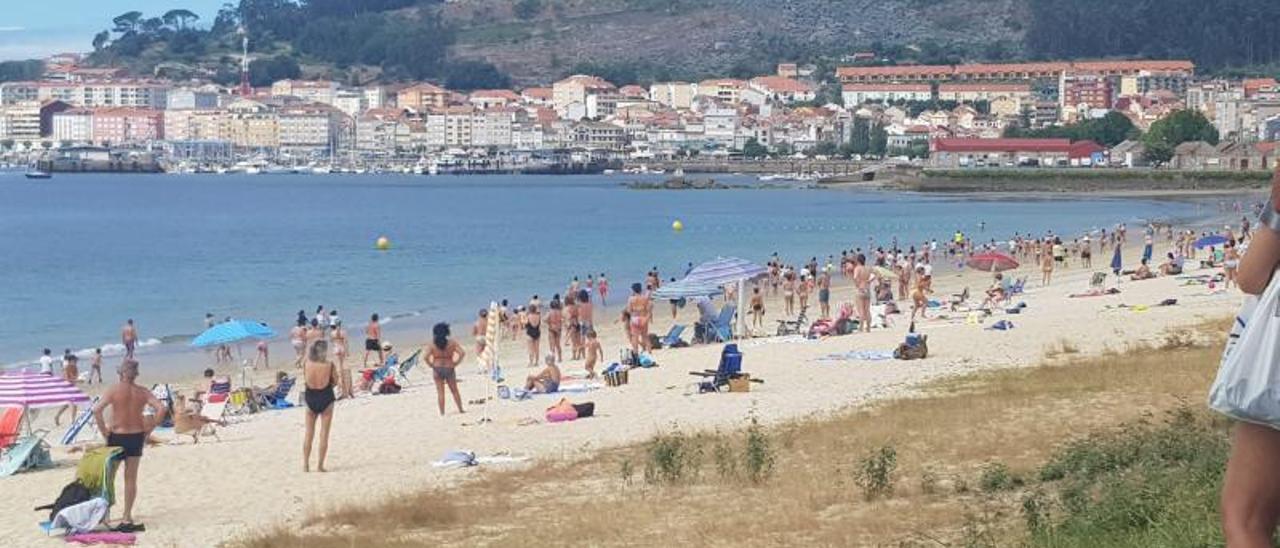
(192, 98)
(857, 94)
(312, 91)
(22, 121)
(720, 126)
(74, 126)
(308, 129)
(576, 89)
(676, 95)
(194, 125)
(492, 128)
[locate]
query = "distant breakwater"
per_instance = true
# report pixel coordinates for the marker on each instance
(1078, 180)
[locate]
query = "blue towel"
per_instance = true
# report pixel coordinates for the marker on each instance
(1002, 325)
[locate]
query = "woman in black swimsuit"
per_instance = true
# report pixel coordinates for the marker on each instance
(533, 329)
(444, 354)
(320, 376)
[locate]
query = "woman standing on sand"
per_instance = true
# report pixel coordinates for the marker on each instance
(297, 338)
(555, 326)
(1230, 263)
(789, 293)
(1251, 490)
(1046, 268)
(757, 307)
(803, 289)
(533, 330)
(444, 354)
(919, 297)
(320, 377)
(641, 309)
(602, 285)
(575, 337)
(338, 336)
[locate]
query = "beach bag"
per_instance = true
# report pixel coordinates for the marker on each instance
(72, 494)
(562, 412)
(1248, 384)
(585, 410)
(616, 377)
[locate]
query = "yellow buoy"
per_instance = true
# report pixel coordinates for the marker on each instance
(383, 243)
(677, 226)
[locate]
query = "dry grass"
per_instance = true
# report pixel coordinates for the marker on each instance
(962, 436)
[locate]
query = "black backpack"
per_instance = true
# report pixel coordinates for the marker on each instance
(74, 493)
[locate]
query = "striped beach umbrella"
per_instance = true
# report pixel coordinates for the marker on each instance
(724, 271)
(34, 390)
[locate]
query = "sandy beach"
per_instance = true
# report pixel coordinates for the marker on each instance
(201, 495)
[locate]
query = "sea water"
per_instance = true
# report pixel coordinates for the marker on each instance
(80, 254)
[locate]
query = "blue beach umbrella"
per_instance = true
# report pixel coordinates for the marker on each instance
(1116, 262)
(686, 288)
(725, 270)
(232, 332)
(1209, 241)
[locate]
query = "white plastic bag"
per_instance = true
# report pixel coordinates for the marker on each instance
(1248, 384)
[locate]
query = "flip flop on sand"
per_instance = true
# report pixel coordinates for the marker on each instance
(129, 527)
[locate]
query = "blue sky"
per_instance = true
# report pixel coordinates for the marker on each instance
(35, 28)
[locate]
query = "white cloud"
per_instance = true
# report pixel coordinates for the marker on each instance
(12, 29)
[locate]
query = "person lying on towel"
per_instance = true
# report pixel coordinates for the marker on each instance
(546, 381)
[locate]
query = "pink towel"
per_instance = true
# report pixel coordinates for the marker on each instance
(102, 538)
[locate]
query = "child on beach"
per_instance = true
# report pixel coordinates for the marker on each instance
(757, 308)
(594, 353)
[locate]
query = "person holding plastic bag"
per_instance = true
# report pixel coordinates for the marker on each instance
(1251, 490)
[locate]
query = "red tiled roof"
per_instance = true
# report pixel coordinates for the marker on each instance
(1084, 149)
(887, 87)
(980, 87)
(633, 91)
(495, 94)
(982, 68)
(538, 93)
(781, 84)
(593, 82)
(424, 87)
(722, 82)
(1001, 145)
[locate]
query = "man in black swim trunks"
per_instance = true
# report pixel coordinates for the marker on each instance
(128, 430)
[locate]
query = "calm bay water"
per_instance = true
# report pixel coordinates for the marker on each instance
(81, 253)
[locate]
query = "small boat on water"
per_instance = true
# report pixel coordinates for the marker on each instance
(37, 174)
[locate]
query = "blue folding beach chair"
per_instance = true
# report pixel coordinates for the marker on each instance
(723, 327)
(29, 453)
(82, 420)
(673, 336)
(280, 398)
(402, 372)
(730, 368)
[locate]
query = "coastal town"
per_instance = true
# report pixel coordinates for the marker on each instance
(85, 118)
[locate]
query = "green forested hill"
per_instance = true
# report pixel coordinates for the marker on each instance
(487, 43)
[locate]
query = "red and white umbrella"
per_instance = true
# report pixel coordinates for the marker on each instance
(992, 262)
(29, 390)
